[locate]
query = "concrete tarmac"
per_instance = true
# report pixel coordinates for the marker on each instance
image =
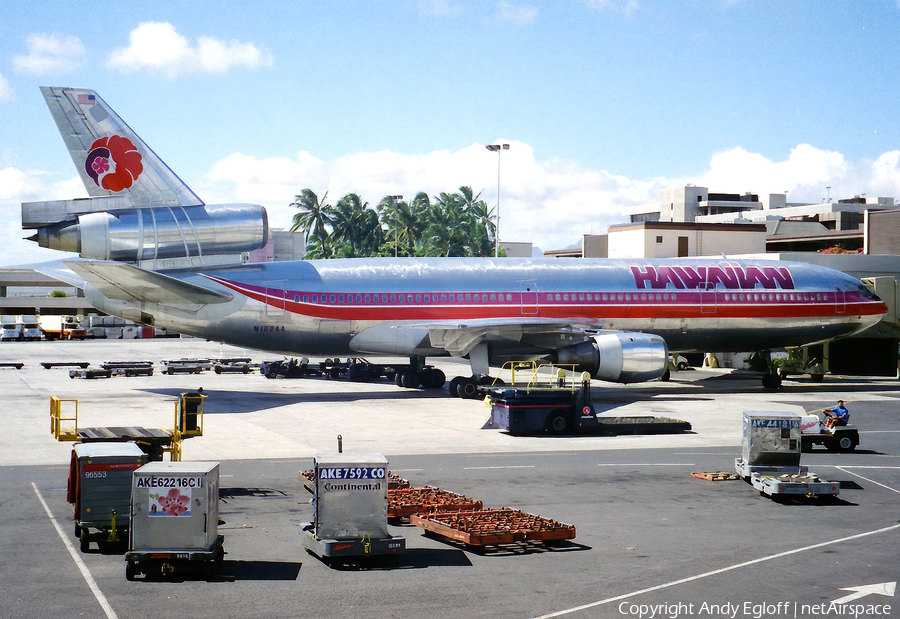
(651, 540)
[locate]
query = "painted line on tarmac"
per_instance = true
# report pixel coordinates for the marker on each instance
(871, 481)
(647, 464)
(519, 466)
(110, 613)
(722, 570)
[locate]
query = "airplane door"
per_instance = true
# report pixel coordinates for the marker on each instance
(274, 302)
(708, 297)
(529, 297)
(840, 302)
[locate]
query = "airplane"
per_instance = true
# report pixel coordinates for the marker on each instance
(152, 252)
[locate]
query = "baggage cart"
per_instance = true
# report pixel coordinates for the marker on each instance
(99, 489)
(770, 458)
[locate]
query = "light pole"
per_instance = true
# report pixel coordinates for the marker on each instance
(497, 148)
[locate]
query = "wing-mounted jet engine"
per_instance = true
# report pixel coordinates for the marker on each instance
(138, 209)
(619, 356)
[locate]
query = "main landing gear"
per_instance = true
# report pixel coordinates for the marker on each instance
(468, 387)
(417, 374)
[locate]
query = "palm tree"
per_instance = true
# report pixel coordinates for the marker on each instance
(319, 246)
(355, 227)
(315, 214)
(480, 216)
(403, 222)
(449, 227)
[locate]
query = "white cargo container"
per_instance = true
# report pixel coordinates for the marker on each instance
(174, 517)
(350, 508)
(770, 457)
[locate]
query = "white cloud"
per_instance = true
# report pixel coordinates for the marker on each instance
(516, 14)
(17, 186)
(157, 46)
(550, 203)
(626, 7)
(441, 8)
(805, 174)
(6, 91)
(50, 53)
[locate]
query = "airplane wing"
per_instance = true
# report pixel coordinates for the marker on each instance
(125, 282)
(459, 338)
(109, 155)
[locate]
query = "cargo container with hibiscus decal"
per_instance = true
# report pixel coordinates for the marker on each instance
(174, 517)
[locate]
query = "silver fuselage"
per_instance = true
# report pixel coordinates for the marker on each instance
(322, 307)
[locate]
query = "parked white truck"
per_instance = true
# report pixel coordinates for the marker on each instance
(31, 328)
(10, 328)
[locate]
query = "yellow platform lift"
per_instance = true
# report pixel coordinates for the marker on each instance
(188, 423)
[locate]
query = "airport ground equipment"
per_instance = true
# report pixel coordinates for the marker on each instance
(715, 475)
(770, 457)
(185, 366)
(174, 518)
(155, 442)
(350, 509)
(837, 438)
(99, 489)
(12, 364)
(405, 502)
(91, 373)
(356, 369)
(231, 368)
(557, 400)
(48, 365)
(129, 368)
(11, 328)
(493, 527)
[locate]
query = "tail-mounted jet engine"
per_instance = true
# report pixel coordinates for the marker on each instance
(619, 356)
(158, 232)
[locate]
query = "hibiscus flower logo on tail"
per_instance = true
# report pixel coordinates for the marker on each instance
(114, 163)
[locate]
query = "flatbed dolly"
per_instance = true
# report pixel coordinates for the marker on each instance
(777, 481)
(63, 364)
(129, 368)
(91, 373)
(12, 364)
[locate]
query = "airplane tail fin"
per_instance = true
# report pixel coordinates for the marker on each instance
(111, 159)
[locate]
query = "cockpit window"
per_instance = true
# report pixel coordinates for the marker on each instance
(866, 293)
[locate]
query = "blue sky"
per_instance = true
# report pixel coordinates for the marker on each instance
(604, 102)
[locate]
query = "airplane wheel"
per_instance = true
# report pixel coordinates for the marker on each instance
(433, 379)
(771, 381)
(411, 380)
(468, 389)
(398, 378)
(454, 386)
(666, 376)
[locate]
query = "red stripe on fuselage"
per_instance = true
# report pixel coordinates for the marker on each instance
(681, 304)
